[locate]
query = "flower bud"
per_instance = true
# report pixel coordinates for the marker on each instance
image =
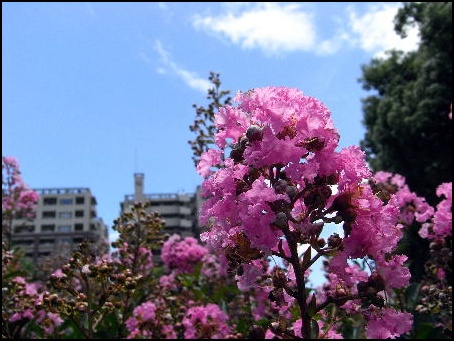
(376, 280)
(334, 240)
(256, 333)
(321, 242)
(313, 144)
(237, 155)
(279, 279)
(280, 220)
(254, 133)
(291, 191)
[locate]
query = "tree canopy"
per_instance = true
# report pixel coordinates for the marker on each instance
(408, 130)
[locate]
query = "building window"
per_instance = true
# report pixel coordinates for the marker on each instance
(78, 227)
(24, 229)
(50, 201)
(79, 214)
(80, 200)
(66, 201)
(48, 228)
(64, 228)
(48, 214)
(24, 242)
(19, 215)
(65, 215)
(46, 241)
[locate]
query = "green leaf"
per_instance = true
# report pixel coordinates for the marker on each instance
(412, 295)
(314, 329)
(306, 258)
(263, 322)
(428, 331)
(312, 306)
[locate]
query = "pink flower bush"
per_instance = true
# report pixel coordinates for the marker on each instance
(271, 179)
(274, 182)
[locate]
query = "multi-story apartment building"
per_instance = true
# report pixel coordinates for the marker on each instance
(179, 210)
(64, 218)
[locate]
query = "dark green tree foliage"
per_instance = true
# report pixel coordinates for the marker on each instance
(408, 129)
(204, 123)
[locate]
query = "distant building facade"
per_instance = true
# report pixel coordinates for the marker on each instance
(65, 217)
(179, 211)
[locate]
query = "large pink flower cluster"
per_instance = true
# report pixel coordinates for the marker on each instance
(280, 172)
(277, 177)
(205, 322)
(412, 207)
(441, 225)
(387, 323)
(181, 255)
(144, 324)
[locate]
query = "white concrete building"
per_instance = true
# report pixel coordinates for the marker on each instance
(64, 218)
(179, 210)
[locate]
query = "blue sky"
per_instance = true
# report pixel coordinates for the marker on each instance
(94, 92)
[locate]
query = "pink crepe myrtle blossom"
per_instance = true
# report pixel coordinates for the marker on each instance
(182, 255)
(49, 321)
(205, 322)
(276, 184)
(374, 233)
(209, 159)
(212, 265)
(168, 282)
(387, 323)
(27, 314)
(336, 288)
(250, 274)
(441, 224)
(145, 323)
(412, 207)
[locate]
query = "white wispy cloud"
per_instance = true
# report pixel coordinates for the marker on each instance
(278, 28)
(271, 27)
(374, 32)
(168, 66)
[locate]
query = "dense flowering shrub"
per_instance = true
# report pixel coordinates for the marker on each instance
(273, 184)
(270, 182)
(435, 303)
